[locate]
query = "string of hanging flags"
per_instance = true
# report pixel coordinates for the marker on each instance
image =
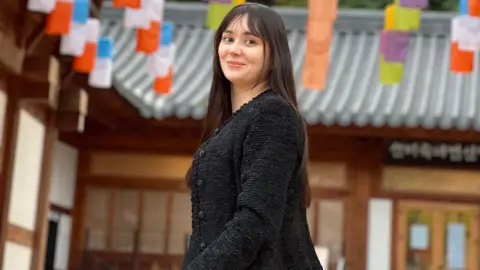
(93, 54)
(401, 17)
(321, 18)
(465, 37)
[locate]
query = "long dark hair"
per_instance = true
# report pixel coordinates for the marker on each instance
(267, 24)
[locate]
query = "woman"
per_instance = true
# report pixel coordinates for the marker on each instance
(248, 178)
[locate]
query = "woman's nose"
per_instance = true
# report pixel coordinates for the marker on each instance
(234, 48)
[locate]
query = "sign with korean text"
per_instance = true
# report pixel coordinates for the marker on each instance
(432, 153)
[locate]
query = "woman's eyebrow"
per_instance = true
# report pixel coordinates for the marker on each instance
(247, 33)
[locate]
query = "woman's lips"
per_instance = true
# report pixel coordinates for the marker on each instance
(235, 64)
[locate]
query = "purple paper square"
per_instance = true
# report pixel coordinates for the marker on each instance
(220, 1)
(395, 46)
(382, 42)
(417, 4)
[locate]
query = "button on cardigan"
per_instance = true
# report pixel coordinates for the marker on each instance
(246, 193)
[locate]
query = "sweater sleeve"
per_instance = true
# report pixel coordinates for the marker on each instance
(269, 159)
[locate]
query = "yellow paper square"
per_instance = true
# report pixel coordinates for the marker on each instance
(390, 72)
(389, 21)
(216, 13)
(406, 19)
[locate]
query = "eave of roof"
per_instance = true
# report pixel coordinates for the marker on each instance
(430, 96)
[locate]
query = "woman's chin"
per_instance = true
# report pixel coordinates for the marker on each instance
(235, 78)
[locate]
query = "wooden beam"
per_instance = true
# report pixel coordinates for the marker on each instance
(44, 68)
(127, 142)
(12, 51)
(397, 133)
(36, 91)
(39, 82)
(70, 122)
(11, 56)
(19, 235)
(72, 110)
(73, 100)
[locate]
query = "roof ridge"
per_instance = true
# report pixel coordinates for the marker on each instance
(295, 17)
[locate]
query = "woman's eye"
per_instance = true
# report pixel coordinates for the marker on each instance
(251, 42)
(227, 39)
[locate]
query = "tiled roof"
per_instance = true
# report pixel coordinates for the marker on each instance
(429, 96)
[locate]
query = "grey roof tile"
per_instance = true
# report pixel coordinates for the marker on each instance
(429, 96)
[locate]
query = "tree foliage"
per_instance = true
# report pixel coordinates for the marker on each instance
(439, 5)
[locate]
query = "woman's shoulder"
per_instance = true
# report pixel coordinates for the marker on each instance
(275, 108)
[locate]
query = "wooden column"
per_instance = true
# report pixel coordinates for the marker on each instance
(12, 117)
(362, 176)
(77, 236)
(43, 201)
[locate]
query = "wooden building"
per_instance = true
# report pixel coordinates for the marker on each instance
(393, 170)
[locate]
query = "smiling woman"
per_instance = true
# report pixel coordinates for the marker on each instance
(249, 177)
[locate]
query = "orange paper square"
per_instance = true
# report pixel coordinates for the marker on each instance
(148, 39)
(127, 3)
(59, 20)
(86, 62)
(319, 30)
(315, 70)
(164, 85)
(461, 61)
(325, 10)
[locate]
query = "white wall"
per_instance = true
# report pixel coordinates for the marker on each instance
(379, 234)
(25, 184)
(62, 193)
(64, 175)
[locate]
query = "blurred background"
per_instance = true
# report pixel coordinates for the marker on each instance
(93, 177)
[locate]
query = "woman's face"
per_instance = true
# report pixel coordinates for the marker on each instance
(241, 54)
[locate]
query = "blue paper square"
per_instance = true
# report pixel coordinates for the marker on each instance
(105, 48)
(463, 7)
(81, 11)
(167, 33)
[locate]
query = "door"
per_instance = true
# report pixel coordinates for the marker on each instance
(437, 236)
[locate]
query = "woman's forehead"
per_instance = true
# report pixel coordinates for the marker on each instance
(239, 24)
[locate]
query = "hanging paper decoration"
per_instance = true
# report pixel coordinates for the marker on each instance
(85, 62)
(147, 39)
(217, 10)
(101, 75)
(474, 8)
(163, 85)
(465, 36)
(42, 6)
(463, 7)
(461, 61)
(73, 43)
(142, 16)
(401, 17)
(126, 3)
(321, 17)
(59, 20)
(413, 4)
(160, 64)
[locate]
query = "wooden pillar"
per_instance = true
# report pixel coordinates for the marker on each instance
(77, 236)
(12, 117)
(362, 176)
(43, 201)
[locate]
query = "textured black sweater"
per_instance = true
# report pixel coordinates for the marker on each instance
(246, 193)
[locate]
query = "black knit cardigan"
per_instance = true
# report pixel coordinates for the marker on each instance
(246, 193)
